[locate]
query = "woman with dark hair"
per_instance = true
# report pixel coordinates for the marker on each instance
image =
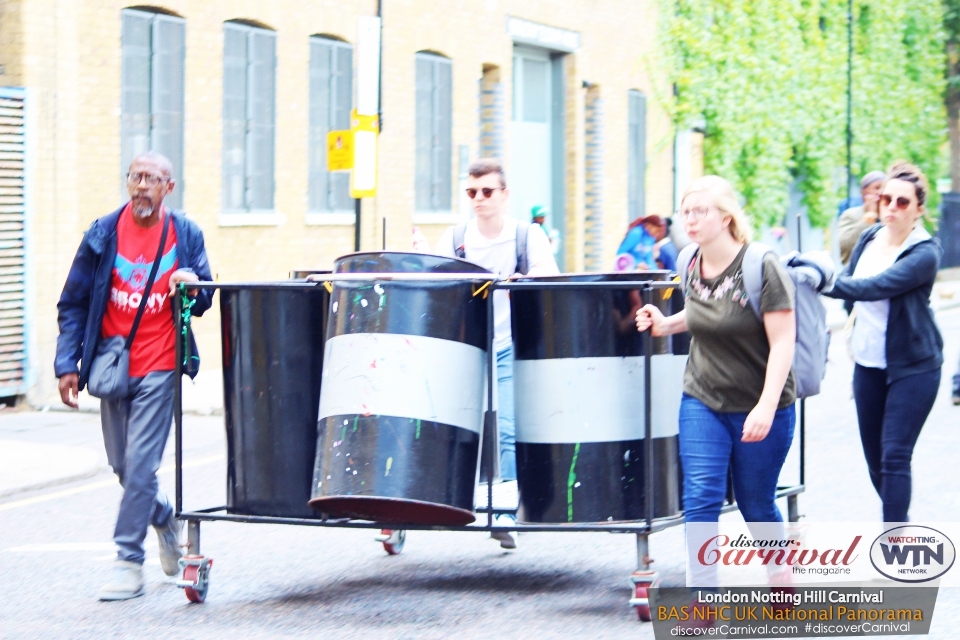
(896, 344)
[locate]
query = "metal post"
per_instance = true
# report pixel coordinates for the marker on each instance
(356, 224)
(648, 411)
(193, 537)
(803, 401)
(793, 510)
(490, 418)
(643, 552)
(384, 227)
(178, 399)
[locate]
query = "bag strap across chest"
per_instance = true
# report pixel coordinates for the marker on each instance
(153, 276)
(523, 228)
(752, 269)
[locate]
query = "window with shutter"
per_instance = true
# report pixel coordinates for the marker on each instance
(636, 153)
(151, 113)
(434, 133)
(14, 366)
(249, 118)
(331, 98)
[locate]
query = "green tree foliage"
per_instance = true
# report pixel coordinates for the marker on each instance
(770, 78)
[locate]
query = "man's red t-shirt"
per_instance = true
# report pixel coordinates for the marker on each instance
(153, 346)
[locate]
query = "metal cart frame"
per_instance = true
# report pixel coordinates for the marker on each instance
(195, 567)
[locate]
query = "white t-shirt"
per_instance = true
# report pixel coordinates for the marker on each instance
(500, 256)
(869, 340)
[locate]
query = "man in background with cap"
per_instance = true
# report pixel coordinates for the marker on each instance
(855, 220)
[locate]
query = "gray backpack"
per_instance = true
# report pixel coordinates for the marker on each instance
(809, 275)
(523, 267)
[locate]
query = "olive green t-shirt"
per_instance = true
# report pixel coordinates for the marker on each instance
(728, 347)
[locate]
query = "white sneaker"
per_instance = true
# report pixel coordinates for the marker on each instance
(170, 553)
(125, 582)
(506, 538)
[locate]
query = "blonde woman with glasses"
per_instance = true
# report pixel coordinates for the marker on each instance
(737, 411)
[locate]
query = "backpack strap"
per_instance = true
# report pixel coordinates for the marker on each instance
(684, 261)
(459, 232)
(752, 269)
(523, 229)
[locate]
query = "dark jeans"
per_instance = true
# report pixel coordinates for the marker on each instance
(890, 417)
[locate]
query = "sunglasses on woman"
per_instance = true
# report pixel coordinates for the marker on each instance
(486, 191)
(900, 202)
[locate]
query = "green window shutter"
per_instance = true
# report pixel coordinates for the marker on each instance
(341, 102)
(434, 133)
(636, 153)
(169, 42)
(423, 147)
(234, 116)
(261, 117)
(135, 39)
(443, 136)
(321, 52)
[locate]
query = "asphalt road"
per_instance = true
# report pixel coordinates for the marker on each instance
(271, 581)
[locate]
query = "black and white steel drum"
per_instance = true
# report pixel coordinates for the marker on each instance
(272, 360)
(401, 403)
(579, 395)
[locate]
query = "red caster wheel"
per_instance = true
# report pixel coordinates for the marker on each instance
(195, 580)
(642, 581)
(392, 540)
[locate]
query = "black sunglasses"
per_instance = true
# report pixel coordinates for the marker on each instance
(486, 191)
(902, 201)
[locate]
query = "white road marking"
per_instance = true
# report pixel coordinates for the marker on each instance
(100, 484)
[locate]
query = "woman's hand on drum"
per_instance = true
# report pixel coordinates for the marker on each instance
(649, 317)
(758, 423)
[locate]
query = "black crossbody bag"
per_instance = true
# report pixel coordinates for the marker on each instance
(110, 371)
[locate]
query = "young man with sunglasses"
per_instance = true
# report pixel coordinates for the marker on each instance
(500, 243)
(104, 300)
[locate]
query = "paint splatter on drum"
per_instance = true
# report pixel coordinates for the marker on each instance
(579, 395)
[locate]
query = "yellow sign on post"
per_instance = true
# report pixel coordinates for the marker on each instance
(340, 150)
(363, 178)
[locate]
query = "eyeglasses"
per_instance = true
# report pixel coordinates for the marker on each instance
(152, 180)
(900, 202)
(696, 214)
(486, 191)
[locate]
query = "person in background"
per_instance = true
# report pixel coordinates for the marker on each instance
(664, 251)
(856, 220)
(538, 215)
(420, 242)
(897, 347)
(489, 239)
(636, 249)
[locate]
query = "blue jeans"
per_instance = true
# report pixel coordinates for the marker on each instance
(890, 418)
(135, 431)
(710, 445)
(505, 422)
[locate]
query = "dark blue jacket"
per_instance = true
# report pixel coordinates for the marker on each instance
(83, 301)
(913, 343)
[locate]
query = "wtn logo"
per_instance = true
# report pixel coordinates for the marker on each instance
(912, 554)
(896, 554)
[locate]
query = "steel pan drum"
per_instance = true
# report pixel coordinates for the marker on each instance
(579, 394)
(402, 395)
(272, 361)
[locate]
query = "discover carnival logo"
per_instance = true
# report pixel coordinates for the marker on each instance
(912, 553)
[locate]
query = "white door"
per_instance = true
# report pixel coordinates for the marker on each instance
(529, 177)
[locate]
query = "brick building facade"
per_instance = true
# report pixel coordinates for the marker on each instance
(552, 87)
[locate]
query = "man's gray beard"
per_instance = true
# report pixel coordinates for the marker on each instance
(142, 210)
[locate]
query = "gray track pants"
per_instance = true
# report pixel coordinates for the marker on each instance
(135, 432)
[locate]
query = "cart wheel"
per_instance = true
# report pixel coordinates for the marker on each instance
(196, 577)
(642, 581)
(393, 545)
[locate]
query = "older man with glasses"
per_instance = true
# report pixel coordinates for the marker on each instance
(114, 288)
